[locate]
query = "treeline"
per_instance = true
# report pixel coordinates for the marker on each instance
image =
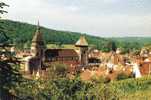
(22, 33)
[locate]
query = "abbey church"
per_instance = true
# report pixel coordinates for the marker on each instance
(40, 54)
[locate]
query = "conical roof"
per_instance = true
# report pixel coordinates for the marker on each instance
(81, 42)
(38, 37)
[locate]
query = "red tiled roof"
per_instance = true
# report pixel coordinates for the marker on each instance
(61, 53)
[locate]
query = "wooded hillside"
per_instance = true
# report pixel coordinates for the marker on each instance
(22, 33)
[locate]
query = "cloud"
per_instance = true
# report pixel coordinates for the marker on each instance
(110, 1)
(96, 17)
(73, 8)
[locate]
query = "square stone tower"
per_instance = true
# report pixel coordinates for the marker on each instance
(83, 45)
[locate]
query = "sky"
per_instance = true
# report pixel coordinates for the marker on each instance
(104, 18)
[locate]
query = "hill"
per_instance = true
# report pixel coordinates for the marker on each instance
(22, 33)
(140, 40)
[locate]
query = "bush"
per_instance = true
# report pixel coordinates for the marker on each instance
(133, 85)
(122, 76)
(65, 89)
(57, 70)
(103, 92)
(101, 79)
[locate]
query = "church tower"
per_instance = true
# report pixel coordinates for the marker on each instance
(38, 45)
(83, 45)
(35, 62)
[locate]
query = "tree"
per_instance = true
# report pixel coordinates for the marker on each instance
(2, 30)
(57, 70)
(2, 5)
(113, 46)
(9, 74)
(110, 46)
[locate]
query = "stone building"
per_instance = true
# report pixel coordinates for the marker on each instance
(40, 55)
(38, 46)
(83, 45)
(35, 62)
(64, 56)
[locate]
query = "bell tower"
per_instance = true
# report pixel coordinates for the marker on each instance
(38, 46)
(83, 45)
(35, 62)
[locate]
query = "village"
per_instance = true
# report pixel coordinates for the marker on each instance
(87, 61)
(75, 50)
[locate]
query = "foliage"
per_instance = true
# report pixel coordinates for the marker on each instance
(63, 89)
(35, 89)
(122, 76)
(110, 46)
(9, 77)
(22, 33)
(133, 85)
(67, 89)
(9, 74)
(57, 70)
(103, 92)
(2, 5)
(96, 79)
(138, 95)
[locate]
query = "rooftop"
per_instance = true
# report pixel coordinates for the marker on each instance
(81, 42)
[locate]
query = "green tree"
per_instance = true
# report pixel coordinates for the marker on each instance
(57, 70)
(9, 74)
(2, 5)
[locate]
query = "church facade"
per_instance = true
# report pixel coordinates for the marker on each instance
(40, 54)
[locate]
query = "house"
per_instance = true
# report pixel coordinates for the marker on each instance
(145, 67)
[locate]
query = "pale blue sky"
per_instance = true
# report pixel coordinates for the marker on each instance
(105, 18)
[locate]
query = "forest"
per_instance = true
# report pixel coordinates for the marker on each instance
(21, 34)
